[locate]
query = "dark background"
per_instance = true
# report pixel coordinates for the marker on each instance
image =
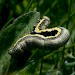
(61, 13)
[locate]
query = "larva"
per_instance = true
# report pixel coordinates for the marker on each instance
(42, 25)
(48, 38)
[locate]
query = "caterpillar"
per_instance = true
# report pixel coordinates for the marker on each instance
(41, 37)
(42, 25)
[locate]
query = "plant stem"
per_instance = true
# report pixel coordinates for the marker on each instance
(41, 62)
(69, 11)
(29, 5)
(41, 66)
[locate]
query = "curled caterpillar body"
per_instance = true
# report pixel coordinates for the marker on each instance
(43, 24)
(51, 38)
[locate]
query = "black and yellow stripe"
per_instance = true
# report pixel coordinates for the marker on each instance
(43, 37)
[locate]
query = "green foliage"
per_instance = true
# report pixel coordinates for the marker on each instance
(58, 62)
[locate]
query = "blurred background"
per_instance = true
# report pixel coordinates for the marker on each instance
(57, 10)
(61, 13)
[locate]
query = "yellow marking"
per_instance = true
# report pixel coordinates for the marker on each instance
(38, 35)
(37, 27)
(49, 30)
(40, 31)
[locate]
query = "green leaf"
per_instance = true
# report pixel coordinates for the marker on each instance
(21, 26)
